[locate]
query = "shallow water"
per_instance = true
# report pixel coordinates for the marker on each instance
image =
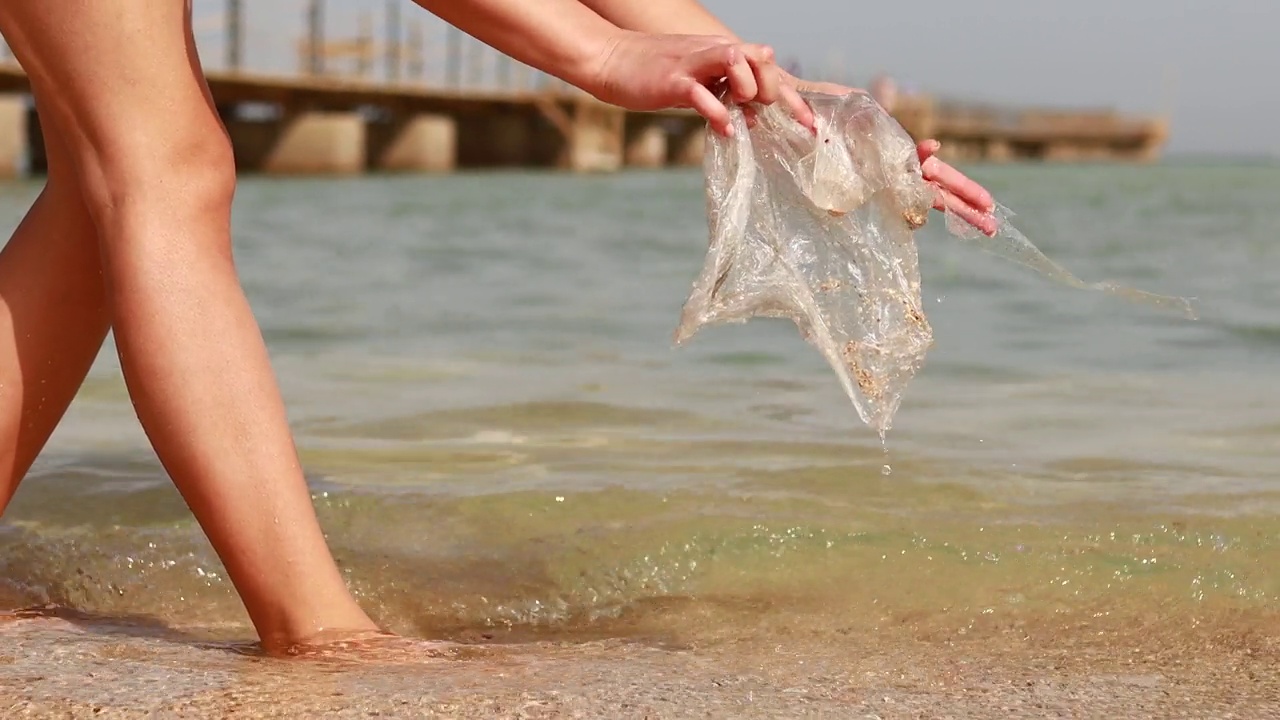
(504, 445)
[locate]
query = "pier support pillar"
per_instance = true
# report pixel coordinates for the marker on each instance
(999, 151)
(318, 143)
(589, 133)
(420, 143)
(689, 146)
(1061, 152)
(596, 142)
(956, 151)
(646, 144)
(13, 135)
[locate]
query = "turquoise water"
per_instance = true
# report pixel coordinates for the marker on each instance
(502, 439)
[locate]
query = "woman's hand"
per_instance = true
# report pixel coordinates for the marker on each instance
(640, 71)
(956, 192)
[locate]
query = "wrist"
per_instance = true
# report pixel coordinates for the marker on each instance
(584, 66)
(591, 70)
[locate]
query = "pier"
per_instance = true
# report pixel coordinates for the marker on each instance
(301, 125)
(456, 104)
(972, 132)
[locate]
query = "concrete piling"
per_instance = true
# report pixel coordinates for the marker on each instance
(419, 143)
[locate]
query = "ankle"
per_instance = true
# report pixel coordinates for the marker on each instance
(302, 629)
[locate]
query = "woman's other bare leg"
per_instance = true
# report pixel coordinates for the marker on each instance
(53, 317)
(156, 170)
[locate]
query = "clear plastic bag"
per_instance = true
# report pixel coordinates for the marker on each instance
(819, 229)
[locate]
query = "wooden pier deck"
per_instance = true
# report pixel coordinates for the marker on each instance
(319, 124)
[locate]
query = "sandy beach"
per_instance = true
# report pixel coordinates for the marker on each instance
(1130, 666)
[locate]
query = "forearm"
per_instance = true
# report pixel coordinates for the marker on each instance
(683, 17)
(564, 38)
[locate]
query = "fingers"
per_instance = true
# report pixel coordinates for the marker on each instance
(826, 88)
(772, 85)
(981, 219)
(741, 75)
(799, 108)
(715, 66)
(956, 192)
(767, 76)
(951, 179)
(751, 75)
(709, 107)
(724, 62)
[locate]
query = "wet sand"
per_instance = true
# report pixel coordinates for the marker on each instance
(1065, 664)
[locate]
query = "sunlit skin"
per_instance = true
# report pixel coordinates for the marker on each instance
(132, 233)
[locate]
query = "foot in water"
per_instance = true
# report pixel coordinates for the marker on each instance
(377, 647)
(361, 646)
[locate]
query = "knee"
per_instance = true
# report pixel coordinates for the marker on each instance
(180, 175)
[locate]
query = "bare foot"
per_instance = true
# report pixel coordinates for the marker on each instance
(377, 647)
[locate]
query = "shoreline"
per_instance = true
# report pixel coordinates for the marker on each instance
(1143, 664)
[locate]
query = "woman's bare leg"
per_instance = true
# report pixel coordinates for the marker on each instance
(125, 90)
(53, 317)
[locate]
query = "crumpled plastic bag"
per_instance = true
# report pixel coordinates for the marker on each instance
(819, 229)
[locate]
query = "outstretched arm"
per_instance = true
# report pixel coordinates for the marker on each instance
(564, 38)
(635, 69)
(661, 16)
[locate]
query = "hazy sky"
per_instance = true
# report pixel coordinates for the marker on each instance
(1213, 65)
